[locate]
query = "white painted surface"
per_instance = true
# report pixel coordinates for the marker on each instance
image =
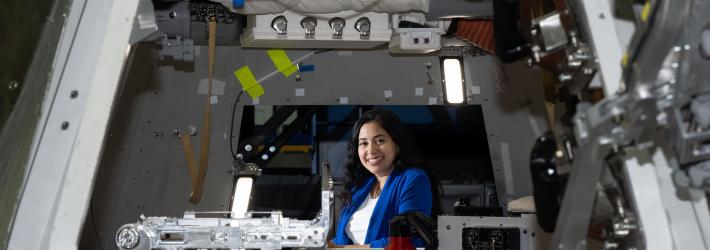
(646, 197)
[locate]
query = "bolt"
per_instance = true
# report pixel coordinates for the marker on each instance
(416, 40)
(74, 94)
(127, 238)
(65, 125)
(272, 149)
(264, 157)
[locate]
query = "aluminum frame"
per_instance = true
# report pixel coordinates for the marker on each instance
(71, 132)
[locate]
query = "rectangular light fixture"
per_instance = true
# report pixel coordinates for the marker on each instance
(454, 87)
(240, 200)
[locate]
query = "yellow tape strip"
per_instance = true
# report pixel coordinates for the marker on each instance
(646, 10)
(625, 59)
(281, 61)
(248, 82)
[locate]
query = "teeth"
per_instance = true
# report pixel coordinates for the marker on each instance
(374, 160)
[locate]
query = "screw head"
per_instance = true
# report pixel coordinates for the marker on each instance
(127, 238)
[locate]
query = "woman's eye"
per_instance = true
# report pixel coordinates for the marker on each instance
(362, 143)
(380, 141)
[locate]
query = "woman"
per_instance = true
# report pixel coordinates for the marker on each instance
(383, 180)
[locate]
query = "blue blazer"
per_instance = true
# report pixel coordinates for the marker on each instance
(406, 190)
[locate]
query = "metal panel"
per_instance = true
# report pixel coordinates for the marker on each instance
(601, 29)
(685, 209)
(646, 195)
(449, 229)
(460, 8)
(512, 100)
(144, 170)
(56, 195)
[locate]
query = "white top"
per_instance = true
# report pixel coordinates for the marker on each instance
(357, 226)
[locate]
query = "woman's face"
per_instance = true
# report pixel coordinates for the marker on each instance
(376, 149)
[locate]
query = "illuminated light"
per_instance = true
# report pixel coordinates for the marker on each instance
(453, 81)
(240, 201)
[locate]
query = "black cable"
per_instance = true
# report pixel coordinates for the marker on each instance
(231, 127)
(93, 222)
(234, 110)
(322, 51)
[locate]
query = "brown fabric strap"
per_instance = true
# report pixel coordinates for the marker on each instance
(189, 156)
(206, 122)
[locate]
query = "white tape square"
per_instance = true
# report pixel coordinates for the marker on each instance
(217, 87)
(433, 100)
(255, 101)
(418, 91)
(213, 99)
(343, 100)
(300, 92)
(476, 90)
(197, 50)
(388, 93)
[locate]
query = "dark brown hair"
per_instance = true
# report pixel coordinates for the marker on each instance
(408, 155)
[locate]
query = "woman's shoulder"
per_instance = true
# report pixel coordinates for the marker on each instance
(413, 172)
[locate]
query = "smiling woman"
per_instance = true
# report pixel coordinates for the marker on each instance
(384, 179)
